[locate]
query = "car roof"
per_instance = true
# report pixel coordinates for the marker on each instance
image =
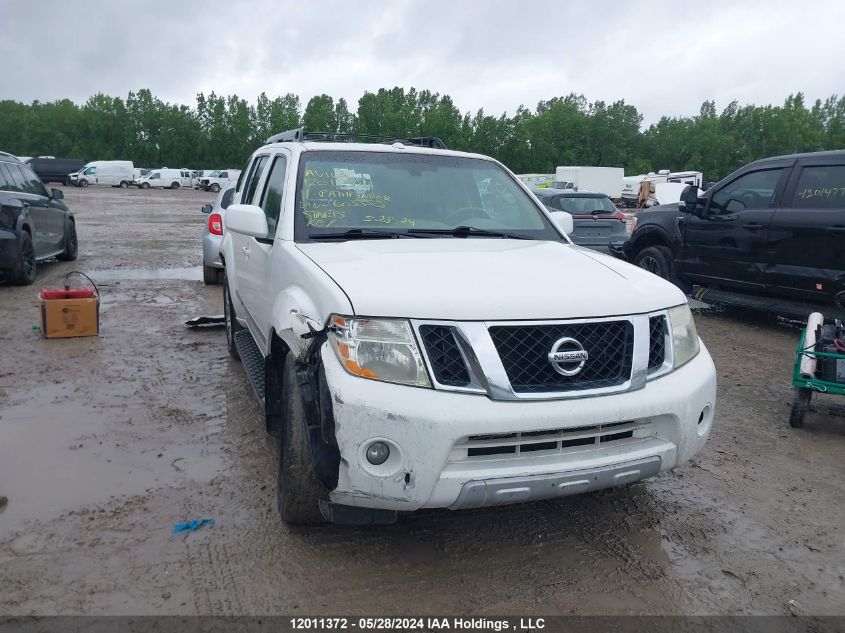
(395, 148)
(568, 193)
(9, 157)
(834, 153)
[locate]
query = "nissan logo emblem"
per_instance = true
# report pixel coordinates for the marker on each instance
(568, 356)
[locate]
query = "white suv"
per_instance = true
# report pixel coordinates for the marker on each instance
(423, 334)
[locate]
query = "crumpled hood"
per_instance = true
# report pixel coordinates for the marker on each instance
(478, 279)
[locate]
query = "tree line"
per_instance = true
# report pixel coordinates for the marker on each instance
(221, 132)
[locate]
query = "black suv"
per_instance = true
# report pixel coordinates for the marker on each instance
(34, 223)
(774, 228)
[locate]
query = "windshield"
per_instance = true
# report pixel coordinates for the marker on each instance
(587, 205)
(380, 191)
(214, 174)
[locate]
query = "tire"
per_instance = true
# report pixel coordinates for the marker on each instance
(174, 185)
(23, 274)
(215, 187)
(658, 260)
(209, 275)
(232, 326)
(123, 184)
(145, 185)
(299, 491)
(800, 404)
(83, 183)
(71, 243)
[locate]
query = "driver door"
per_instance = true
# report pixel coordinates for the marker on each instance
(727, 243)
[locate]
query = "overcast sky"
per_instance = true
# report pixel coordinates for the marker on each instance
(664, 57)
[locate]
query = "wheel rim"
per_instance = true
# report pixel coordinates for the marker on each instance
(651, 264)
(28, 255)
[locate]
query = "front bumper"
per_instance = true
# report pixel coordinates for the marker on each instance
(428, 431)
(617, 250)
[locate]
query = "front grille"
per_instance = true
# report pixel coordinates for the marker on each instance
(544, 442)
(656, 341)
(447, 363)
(524, 353)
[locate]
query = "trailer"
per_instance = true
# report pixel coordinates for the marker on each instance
(606, 180)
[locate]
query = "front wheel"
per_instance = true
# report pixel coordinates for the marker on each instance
(215, 187)
(145, 185)
(83, 183)
(71, 243)
(174, 185)
(299, 491)
(800, 404)
(24, 272)
(232, 325)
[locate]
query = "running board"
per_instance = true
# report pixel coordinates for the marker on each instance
(253, 361)
(781, 307)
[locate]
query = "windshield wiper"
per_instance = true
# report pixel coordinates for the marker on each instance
(469, 231)
(359, 234)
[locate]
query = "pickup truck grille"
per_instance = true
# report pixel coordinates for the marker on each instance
(544, 442)
(656, 341)
(524, 351)
(447, 363)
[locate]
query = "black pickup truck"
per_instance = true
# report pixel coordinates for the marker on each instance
(769, 235)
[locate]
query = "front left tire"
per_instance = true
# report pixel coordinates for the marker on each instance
(299, 491)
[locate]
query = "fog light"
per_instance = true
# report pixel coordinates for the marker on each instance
(377, 453)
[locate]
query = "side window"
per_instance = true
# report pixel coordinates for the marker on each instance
(90, 171)
(6, 183)
(754, 190)
(33, 182)
(224, 174)
(252, 184)
(226, 200)
(820, 187)
(155, 176)
(271, 201)
(17, 177)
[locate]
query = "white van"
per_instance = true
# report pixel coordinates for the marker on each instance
(114, 173)
(165, 178)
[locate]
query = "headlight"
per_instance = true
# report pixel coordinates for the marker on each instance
(379, 349)
(684, 334)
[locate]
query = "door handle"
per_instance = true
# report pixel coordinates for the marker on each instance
(753, 226)
(836, 229)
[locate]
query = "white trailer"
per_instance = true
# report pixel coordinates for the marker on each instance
(631, 192)
(112, 173)
(606, 180)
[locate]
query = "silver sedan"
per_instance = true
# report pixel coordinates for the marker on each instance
(213, 234)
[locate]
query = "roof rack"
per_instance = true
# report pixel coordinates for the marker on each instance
(301, 134)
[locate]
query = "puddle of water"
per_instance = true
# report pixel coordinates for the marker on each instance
(130, 274)
(62, 456)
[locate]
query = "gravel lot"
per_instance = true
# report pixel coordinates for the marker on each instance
(106, 442)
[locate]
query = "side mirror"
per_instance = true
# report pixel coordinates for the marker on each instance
(247, 219)
(206, 208)
(689, 199)
(56, 194)
(564, 221)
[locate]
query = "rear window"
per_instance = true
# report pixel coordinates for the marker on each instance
(820, 187)
(600, 205)
(339, 191)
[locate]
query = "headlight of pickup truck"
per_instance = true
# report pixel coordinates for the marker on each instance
(684, 334)
(379, 349)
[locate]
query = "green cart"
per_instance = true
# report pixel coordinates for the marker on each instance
(805, 387)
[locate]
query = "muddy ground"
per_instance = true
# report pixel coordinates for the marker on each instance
(106, 442)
